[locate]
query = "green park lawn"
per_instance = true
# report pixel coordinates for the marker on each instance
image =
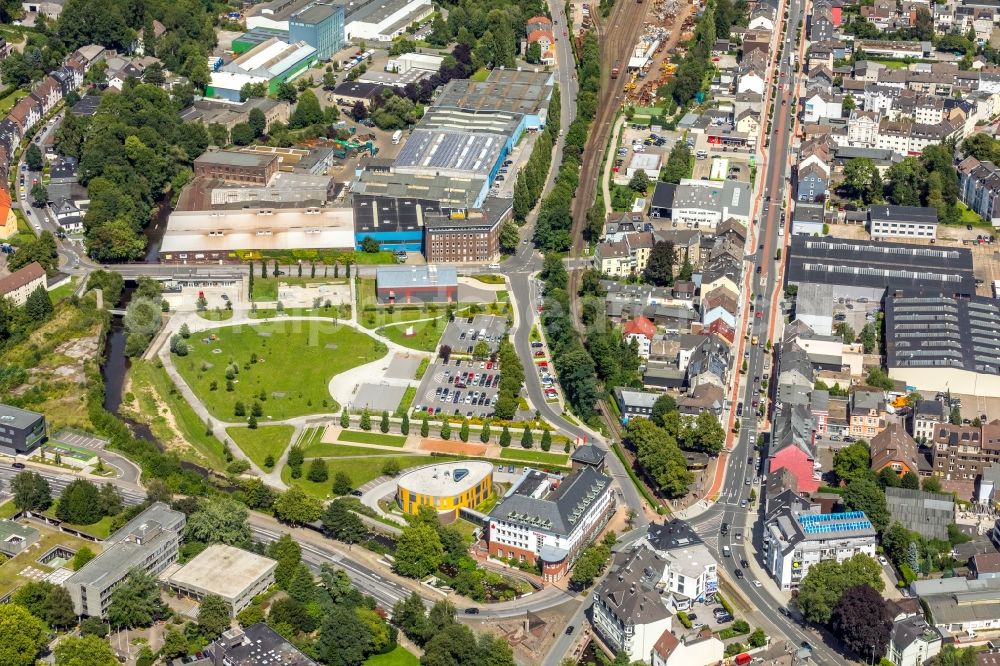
(328, 450)
(530, 455)
(368, 437)
(296, 361)
(360, 470)
(218, 314)
(266, 289)
(258, 444)
(7, 510)
(64, 290)
(425, 335)
(400, 656)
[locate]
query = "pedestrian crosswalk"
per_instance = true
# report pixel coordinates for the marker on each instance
(708, 530)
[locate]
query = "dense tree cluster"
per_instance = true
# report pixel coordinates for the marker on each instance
(511, 381)
(41, 249)
(134, 148)
(443, 639)
(555, 219)
(827, 581)
(659, 456)
(531, 178)
(83, 503)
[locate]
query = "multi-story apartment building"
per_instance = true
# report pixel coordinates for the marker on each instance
(550, 520)
(148, 542)
(926, 415)
(795, 541)
(624, 257)
(979, 187)
(961, 453)
(867, 413)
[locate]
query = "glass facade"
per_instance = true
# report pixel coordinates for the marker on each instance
(320, 26)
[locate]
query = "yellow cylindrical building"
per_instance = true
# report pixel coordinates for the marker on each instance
(446, 487)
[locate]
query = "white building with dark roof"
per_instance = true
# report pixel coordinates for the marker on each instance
(548, 519)
(886, 221)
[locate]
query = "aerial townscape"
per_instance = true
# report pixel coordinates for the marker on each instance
(496, 333)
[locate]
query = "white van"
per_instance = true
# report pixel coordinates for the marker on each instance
(396, 136)
(701, 154)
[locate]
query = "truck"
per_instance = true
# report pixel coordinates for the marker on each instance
(614, 70)
(396, 136)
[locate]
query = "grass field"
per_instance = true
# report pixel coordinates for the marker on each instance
(310, 436)
(262, 442)
(368, 437)
(7, 510)
(8, 102)
(101, 529)
(63, 290)
(218, 314)
(360, 470)
(266, 289)
(530, 455)
(329, 450)
(151, 386)
(11, 569)
(426, 334)
(480, 74)
(296, 361)
(271, 313)
(487, 278)
(398, 657)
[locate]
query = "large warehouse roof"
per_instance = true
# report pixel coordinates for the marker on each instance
(259, 229)
(461, 120)
(441, 151)
(877, 265)
(943, 332)
(382, 214)
(242, 568)
(451, 191)
(518, 91)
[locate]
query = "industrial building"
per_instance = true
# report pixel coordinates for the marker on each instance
(421, 62)
(926, 513)
(416, 284)
(447, 487)
(236, 166)
(396, 223)
(234, 574)
(21, 430)
(886, 221)
(704, 204)
(549, 520)
(255, 37)
(211, 235)
(383, 20)
(794, 541)
(526, 92)
(938, 343)
(229, 114)
(272, 63)
(456, 192)
(149, 542)
(864, 269)
(466, 237)
(321, 26)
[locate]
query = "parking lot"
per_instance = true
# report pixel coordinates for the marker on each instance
(461, 387)
(463, 334)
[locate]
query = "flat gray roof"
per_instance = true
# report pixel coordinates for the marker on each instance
(397, 277)
(235, 158)
(17, 417)
(375, 11)
(449, 150)
(223, 570)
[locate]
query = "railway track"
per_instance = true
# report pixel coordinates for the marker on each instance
(616, 36)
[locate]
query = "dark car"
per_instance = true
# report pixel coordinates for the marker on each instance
(692, 617)
(472, 611)
(784, 611)
(744, 564)
(357, 493)
(570, 629)
(18, 465)
(738, 573)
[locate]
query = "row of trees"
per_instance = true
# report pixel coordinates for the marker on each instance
(81, 503)
(511, 381)
(531, 178)
(555, 218)
(443, 639)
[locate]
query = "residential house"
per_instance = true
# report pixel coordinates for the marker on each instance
(867, 413)
(641, 331)
(709, 363)
(961, 453)
(669, 650)
(913, 642)
(762, 18)
(752, 73)
(632, 403)
(629, 612)
(925, 416)
(792, 447)
(705, 204)
(796, 373)
(819, 104)
(863, 128)
(894, 448)
(821, 26)
(703, 398)
(662, 202)
(626, 257)
(747, 122)
(979, 188)
(812, 184)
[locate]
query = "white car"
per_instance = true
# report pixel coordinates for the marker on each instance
(881, 560)
(755, 583)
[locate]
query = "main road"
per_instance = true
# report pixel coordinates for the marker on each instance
(764, 293)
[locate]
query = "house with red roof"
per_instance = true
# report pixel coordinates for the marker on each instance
(703, 648)
(792, 447)
(642, 330)
(8, 221)
(539, 30)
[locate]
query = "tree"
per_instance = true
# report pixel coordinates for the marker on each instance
(175, 643)
(31, 492)
(505, 437)
(678, 164)
(639, 181)
(410, 616)
(39, 194)
(533, 54)
(418, 551)
(852, 461)
(111, 502)
(49, 602)
(446, 429)
(527, 439)
(345, 418)
(481, 350)
(384, 422)
(343, 639)
(931, 484)
(242, 134)
(844, 330)
(864, 494)
(22, 635)
(659, 456)
(258, 123)
(223, 520)
(862, 180)
(955, 416)
(213, 616)
(343, 524)
(80, 503)
(861, 620)
(366, 420)
(404, 425)
(318, 472)
(869, 338)
(708, 434)
(895, 541)
(546, 440)
(136, 601)
(484, 433)
(370, 245)
(664, 405)
(590, 565)
(307, 111)
(826, 582)
(425, 426)
(509, 237)
(463, 431)
(878, 378)
(660, 267)
(288, 554)
(33, 157)
(910, 481)
(294, 506)
(342, 484)
(758, 638)
(84, 651)
(81, 557)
